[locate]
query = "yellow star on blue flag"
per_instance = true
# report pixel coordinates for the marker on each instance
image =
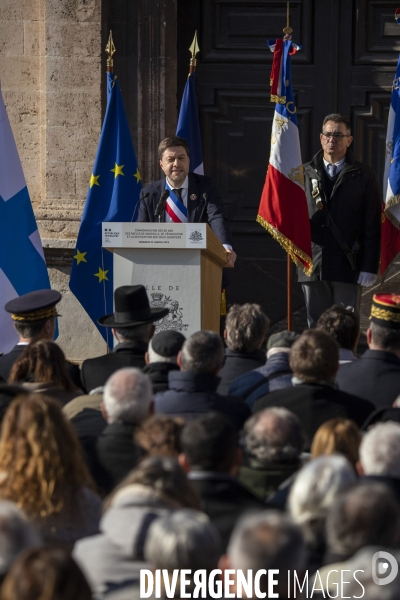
(91, 284)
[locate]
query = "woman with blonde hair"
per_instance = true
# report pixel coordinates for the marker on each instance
(337, 436)
(42, 368)
(42, 470)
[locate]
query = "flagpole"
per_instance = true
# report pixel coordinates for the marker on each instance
(288, 32)
(110, 49)
(194, 49)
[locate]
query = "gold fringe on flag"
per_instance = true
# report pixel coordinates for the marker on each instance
(393, 201)
(223, 303)
(279, 99)
(294, 252)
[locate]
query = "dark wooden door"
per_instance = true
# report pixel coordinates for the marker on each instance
(347, 64)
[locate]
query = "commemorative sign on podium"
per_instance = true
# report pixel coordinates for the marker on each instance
(180, 265)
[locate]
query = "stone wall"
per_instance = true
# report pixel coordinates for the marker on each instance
(52, 72)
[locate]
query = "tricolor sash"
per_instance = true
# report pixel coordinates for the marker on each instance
(175, 207)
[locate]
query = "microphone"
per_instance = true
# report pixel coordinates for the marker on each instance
(138, 204)
(205, 197)
(161, 204)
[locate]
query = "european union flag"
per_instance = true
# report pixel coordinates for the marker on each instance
(113, 194)
(22, 265)
(188, 125)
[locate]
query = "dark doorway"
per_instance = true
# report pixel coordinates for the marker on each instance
(347, 64)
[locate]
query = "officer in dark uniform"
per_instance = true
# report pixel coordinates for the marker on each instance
(34, 316)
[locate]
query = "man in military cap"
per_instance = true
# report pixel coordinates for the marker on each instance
(132, 324)
(376, 376)
(34, 317)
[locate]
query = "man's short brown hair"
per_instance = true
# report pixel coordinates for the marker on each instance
(314, 356)
(342, 324)
(172, 140)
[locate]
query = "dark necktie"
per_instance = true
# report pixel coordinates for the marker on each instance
(178, 193)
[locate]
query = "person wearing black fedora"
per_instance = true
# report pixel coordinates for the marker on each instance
(132, 324)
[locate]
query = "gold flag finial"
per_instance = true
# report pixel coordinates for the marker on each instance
(110, 49)
(194, 49)
(287, 30)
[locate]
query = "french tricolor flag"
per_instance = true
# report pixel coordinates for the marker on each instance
(391, 179)
(283, 206)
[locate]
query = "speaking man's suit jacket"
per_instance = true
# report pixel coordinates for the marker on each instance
(198, 186)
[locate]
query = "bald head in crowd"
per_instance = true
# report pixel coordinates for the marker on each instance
(266, 540)
(127, 397)
(274, 435)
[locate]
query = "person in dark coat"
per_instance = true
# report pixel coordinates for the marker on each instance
(275, 374)
(380, 456)
(132, 324)
(34, 317)
(192, 390)
(211, 456)
(195, 195)
(245, 329)
(85, 416)
(161, 358)
(314, 398)
(344, 206)
(273, 442)
(127, 403)
(376, 376)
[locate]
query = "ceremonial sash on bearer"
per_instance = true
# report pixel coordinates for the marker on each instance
(175, 207)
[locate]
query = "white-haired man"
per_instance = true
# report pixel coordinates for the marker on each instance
(380, 455)
(127, 403)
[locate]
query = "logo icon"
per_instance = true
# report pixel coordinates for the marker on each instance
(196, 236)
(384, 568)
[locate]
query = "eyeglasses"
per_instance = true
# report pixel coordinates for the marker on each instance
(336, 136)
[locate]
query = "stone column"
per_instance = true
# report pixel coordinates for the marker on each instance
(52, 70)
(51, 81)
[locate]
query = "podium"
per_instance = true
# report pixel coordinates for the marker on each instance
(180, 265)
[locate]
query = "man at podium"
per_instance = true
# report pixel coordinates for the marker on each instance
(183, 197)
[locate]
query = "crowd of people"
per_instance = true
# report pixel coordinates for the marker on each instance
(276, 452)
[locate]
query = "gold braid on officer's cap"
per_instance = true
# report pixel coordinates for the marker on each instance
(36, 315)
(386, 315)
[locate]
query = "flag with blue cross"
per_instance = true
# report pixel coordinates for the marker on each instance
(22, 265)
(113, 194)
